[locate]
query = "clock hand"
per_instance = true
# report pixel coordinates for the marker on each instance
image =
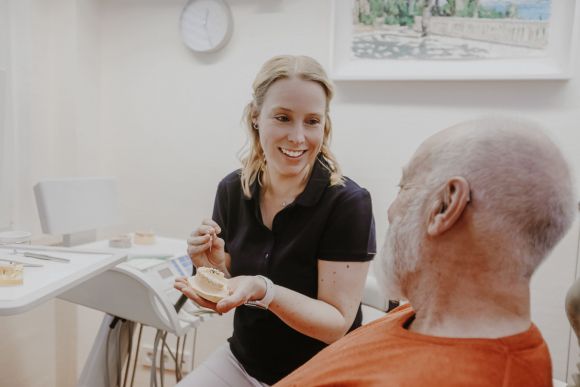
(205, 27)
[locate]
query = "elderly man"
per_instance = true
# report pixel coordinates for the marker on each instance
(480, 206)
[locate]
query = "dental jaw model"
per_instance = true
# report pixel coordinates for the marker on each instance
(11, 274)
(209, 283)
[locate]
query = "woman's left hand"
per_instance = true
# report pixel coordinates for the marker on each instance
(242, 289)
(184, 287)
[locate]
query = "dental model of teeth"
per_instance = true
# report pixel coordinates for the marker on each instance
(11, 274)
(209, 283)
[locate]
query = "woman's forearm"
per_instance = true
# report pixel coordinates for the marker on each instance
(311, 317)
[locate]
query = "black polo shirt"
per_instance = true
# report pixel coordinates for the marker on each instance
(327, 223)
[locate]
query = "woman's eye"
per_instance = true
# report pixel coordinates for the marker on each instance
(313, 122)
(282, 118)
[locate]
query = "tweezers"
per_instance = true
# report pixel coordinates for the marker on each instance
(46, 257)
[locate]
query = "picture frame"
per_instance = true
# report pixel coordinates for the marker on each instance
(553, 61)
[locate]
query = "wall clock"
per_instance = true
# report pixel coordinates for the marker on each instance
(206, 25)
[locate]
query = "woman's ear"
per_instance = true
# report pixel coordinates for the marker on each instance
(255, 115)
(448, 206)
(254, 121)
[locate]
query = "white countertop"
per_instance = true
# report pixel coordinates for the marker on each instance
(53, 278)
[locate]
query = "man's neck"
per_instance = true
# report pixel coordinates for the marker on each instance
(466, 306)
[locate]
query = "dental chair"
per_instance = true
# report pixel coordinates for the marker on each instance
(77, 208)
(132, 296)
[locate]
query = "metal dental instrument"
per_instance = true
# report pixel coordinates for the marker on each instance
(23, 248)
(45, 257)
(210, 242)
(25, 264)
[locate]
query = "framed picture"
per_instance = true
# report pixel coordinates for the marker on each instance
(453, 39)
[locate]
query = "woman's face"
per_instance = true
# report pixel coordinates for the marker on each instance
(291, 125)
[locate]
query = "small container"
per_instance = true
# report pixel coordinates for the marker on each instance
(120, 241)
(15, 237)
(144, 238)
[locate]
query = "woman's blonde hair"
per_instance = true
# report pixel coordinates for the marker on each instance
(282, 67)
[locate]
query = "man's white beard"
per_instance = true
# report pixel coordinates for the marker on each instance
(400, 253)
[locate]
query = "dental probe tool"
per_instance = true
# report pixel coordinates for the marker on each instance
(46, 257)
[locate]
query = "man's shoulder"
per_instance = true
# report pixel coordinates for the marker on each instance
(399, 314)
(393, 320)
(383, 352)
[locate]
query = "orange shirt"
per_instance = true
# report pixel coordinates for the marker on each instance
(384, 353)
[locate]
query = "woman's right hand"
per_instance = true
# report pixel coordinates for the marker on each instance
(205, 248)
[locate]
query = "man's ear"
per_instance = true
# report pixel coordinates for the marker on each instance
(448, 206)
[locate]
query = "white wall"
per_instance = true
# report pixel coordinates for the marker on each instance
(5, 153)
(51, 121)
(55, 95)
(107, 87)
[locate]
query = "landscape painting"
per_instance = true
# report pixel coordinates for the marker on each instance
(449, 30)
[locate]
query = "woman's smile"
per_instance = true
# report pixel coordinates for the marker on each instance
(293, 153)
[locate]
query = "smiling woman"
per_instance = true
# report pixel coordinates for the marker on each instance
(294, 235)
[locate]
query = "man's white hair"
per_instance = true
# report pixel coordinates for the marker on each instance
(521, 185)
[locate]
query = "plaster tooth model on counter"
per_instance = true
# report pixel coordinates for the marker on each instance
(144, 238)
(122, 241)
(210, 284)
(11, 274)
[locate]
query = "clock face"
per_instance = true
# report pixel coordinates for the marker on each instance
(206, 25)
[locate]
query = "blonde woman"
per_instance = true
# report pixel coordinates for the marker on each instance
(294, 235)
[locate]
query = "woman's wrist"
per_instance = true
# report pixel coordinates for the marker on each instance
(264, 293)
(260, 287)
